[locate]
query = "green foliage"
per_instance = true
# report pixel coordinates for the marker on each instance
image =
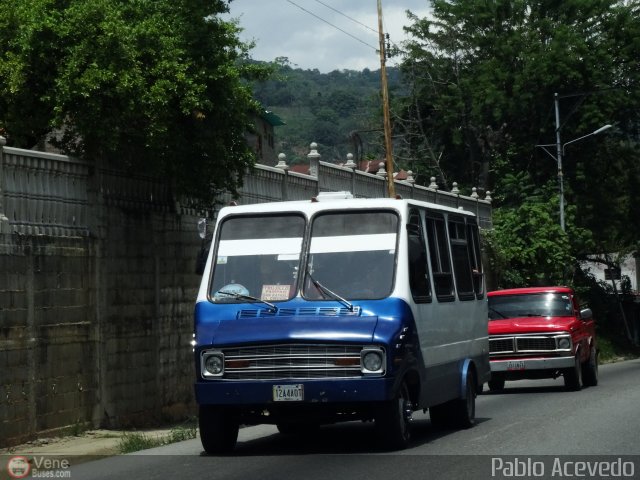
(135, 441)
(482, 81)
(325, 108)
(156, 86)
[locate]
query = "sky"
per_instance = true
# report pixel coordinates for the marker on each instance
(298, 30)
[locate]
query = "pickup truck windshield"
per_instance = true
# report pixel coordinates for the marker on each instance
(351, 254)
(257, 256)
(530, 305)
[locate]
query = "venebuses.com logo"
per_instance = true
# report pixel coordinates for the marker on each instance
(18, 467)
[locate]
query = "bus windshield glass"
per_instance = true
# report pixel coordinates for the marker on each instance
(259, 257)
(351, 254)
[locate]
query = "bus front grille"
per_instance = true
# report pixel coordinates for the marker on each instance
(298, 361)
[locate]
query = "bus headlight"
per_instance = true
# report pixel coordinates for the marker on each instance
(372, 360)
(212, 364)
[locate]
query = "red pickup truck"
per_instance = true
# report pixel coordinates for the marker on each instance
(541, 332)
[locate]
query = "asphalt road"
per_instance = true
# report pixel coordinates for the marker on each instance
(532, 427)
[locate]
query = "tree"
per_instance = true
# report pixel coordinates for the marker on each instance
(483, 75)
(154, 86)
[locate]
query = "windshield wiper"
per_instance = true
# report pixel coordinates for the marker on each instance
(325, 291)
(240, 296)
(502, 315)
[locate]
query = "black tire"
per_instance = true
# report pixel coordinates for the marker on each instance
(218, 429)
(496, 384)
(458, 413)
(573, 376)
(590, 370)
(393, 421)
(463, 410)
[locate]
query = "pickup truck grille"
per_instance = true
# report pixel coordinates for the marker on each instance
(503, 344)
(270, 362)
(536, 344)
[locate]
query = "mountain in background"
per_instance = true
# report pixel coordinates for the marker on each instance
(341, 111)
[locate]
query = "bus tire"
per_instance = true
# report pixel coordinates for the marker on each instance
(463, 410)
(393, 421)
(218, 429)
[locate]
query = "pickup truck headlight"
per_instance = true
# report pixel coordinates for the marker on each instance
(564, 343)
(212, 364)
(372, 360)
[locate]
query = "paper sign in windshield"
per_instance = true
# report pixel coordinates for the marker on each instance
(275, 292)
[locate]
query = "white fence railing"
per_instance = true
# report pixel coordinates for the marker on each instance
(48, 194)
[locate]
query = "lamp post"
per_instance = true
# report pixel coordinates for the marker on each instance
(560, 153)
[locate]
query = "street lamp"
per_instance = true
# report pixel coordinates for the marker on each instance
(560, 153)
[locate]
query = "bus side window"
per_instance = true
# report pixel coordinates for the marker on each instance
(460, 251)
(418, 268)
(476, 259)
(439, 254)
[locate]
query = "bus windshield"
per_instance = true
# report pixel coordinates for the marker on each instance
(259, 257)
(351, 254)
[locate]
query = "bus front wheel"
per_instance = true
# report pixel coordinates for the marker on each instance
(218, 429)
(393, 421)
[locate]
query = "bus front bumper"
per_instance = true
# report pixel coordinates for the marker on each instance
(221, 392)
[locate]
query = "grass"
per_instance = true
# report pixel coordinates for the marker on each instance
(77, 429)
(614, 348)
(135, 441)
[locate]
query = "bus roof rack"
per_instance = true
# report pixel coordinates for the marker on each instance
(333, 196)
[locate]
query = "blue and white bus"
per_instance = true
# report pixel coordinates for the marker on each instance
(340, 309)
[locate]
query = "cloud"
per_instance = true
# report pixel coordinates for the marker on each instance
(298, 30)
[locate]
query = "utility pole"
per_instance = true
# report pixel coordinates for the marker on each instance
(385, 108)
(559, 159)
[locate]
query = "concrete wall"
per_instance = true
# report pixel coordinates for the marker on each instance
(96, 331)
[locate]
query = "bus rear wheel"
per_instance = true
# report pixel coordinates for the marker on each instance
(464, 409)
(458, 413)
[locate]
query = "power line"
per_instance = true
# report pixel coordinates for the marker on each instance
(347, 16)
(331, 24)
(389, 42)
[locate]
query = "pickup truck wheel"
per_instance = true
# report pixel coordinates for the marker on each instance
(218, 429)
(590, 370)
(496, 384)
(573, 376)
(393, 421)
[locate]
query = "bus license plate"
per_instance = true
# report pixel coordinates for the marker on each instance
(515, 365)
(288, 393)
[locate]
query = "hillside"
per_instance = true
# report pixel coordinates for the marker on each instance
(332, 109)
